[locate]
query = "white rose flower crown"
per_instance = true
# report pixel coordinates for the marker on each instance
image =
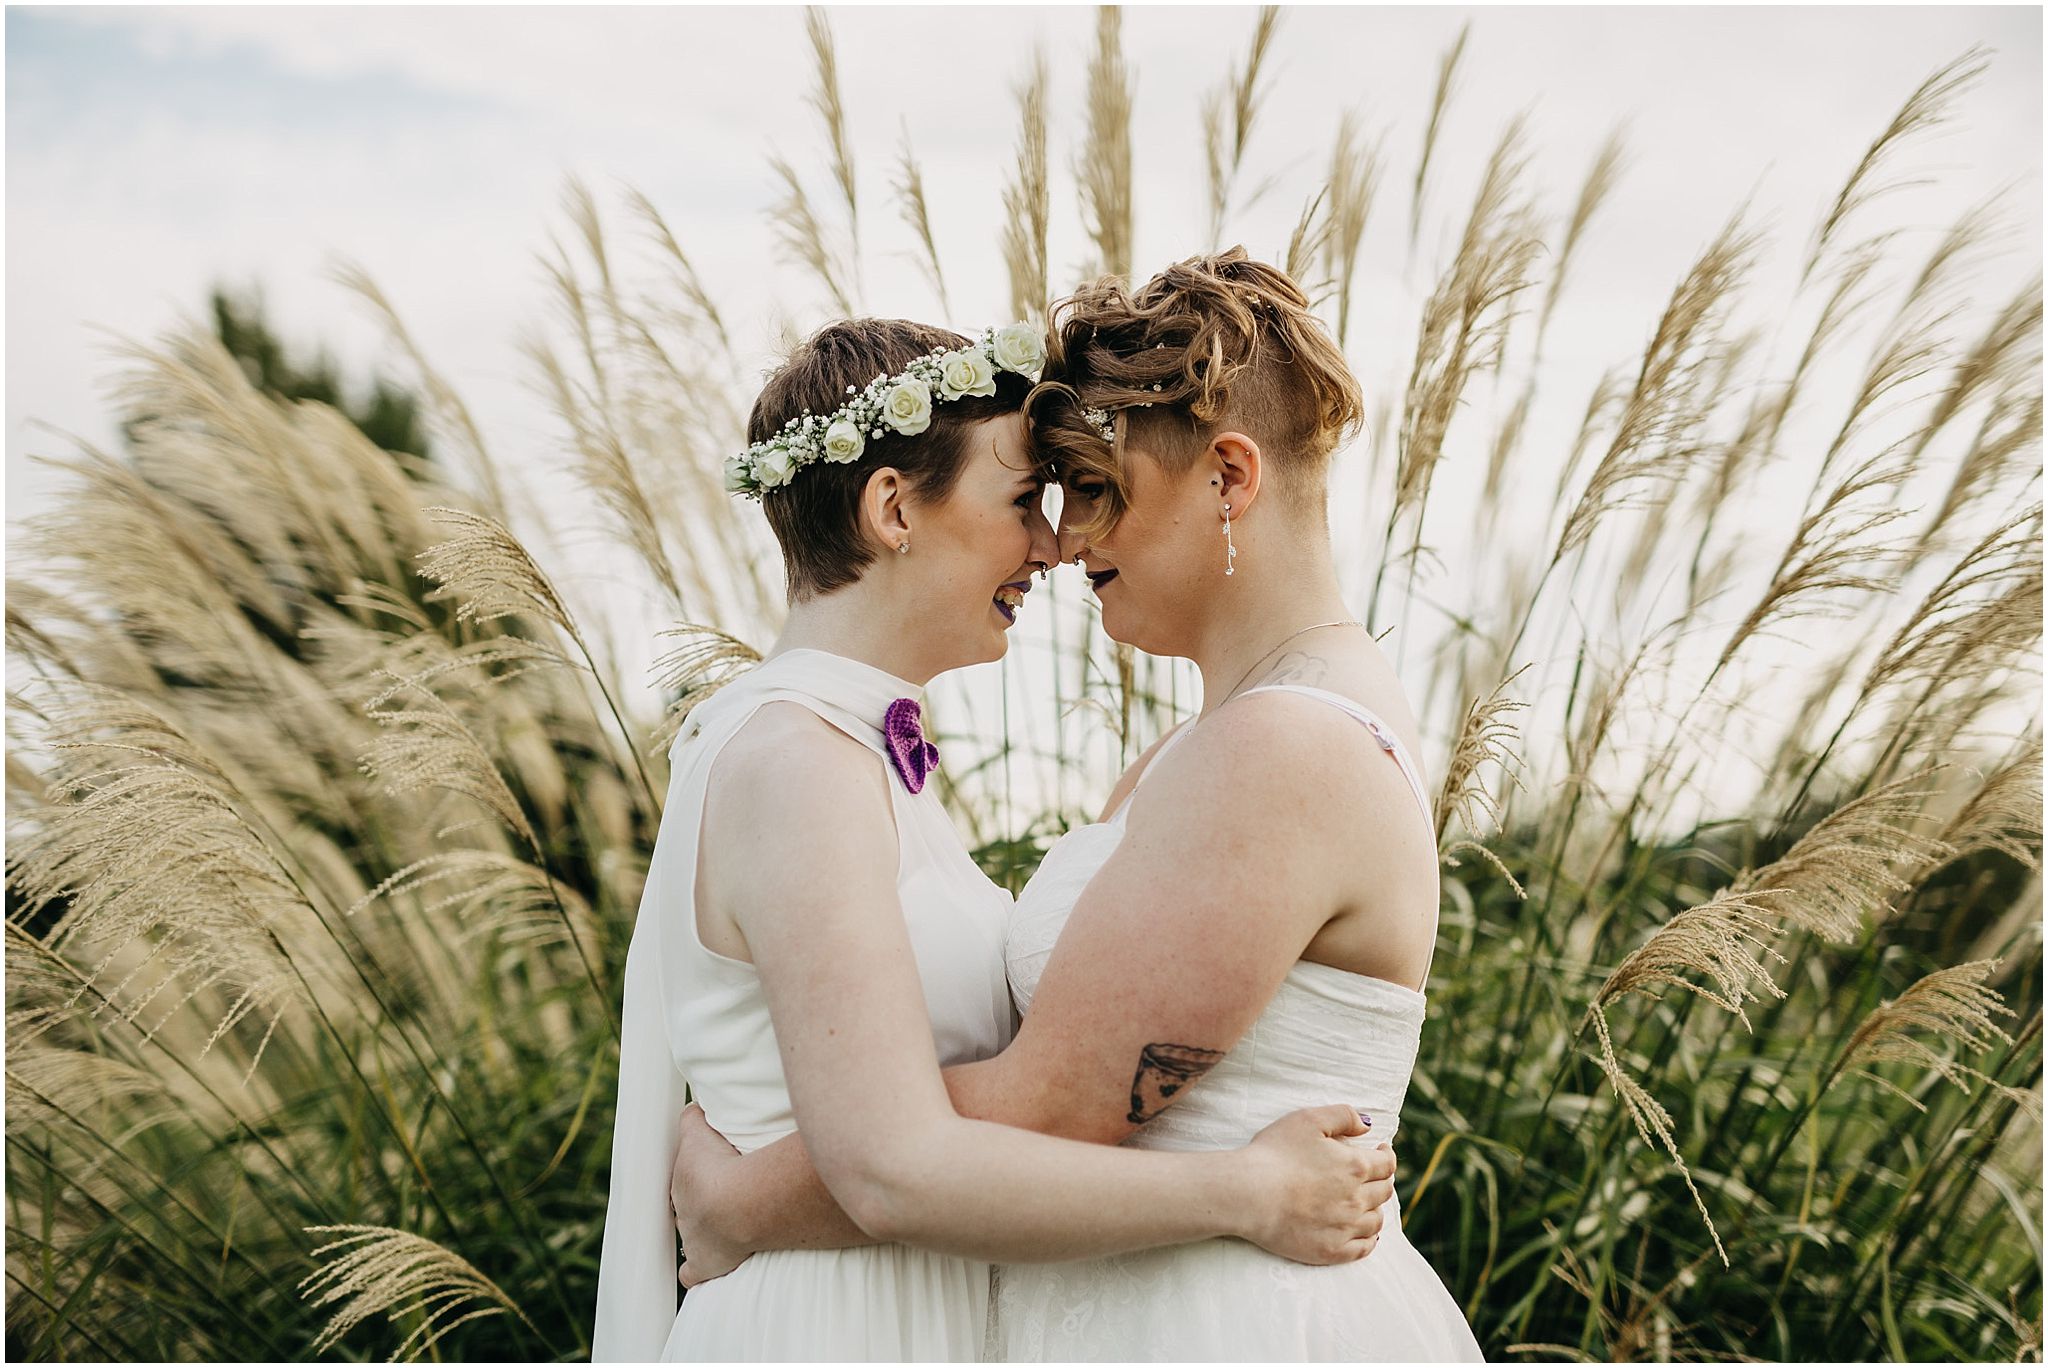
(892, 403)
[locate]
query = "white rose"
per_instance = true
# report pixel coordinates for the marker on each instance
(775, 467)
(967, 372)
(1020, 347)
(738, 474)
(908, 407)
(843, 442)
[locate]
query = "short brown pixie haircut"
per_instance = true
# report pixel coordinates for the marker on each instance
(816, 516)
(1210, 344)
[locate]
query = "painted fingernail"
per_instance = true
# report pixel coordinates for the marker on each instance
(1365, 1118)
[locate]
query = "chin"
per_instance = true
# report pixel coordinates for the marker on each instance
(1117, 629)
(987, 651)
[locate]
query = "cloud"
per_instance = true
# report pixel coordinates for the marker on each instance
(155, 151)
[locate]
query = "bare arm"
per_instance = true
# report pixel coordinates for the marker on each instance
(1072, 1071)
(727, 1206)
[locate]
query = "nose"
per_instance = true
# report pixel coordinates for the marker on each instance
(1045, 544)
(1071, 544)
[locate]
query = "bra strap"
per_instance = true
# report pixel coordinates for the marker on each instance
(1381, 732)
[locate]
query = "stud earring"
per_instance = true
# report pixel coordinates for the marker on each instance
(903, 546)
(1229, 566)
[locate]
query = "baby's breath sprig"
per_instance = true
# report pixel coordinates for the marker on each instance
(900, 403)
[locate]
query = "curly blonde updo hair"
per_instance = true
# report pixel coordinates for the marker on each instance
(1210, 344)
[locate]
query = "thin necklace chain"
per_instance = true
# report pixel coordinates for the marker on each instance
(1341, 622)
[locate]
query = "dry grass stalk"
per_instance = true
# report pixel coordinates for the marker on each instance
(1846, 867)
(825, 99)
(1597, 717)
(1593, 192)
(1723, 466)
(802, 237)
(489, 573)
(2001, 353)
(1485, 738)
(432, 747)
(1505, 443)
(1354, 184)
(910, 199)
(1608, 396)
(604, 463)
(1911, 343)
(1847, 299)
(1906, 354)
(1832, 552)
(1104, 170)
(1737, 458)
(396, 1273)
(1309, 241)
(495, 895)
(2004, 814)
(2011, 429)
(1955, 1007)
(422, 658)
(1980, 614)
(1447, 70)
(1464, 324)
(1720, 938)
(444, 405)
(1650, 1119)
(685, 275)
(1027, 202)
(1926, 108)
(705, 661)
(156, 864)
(46, 1087)
(40, 986)
(1655, 442)
(1238, 98)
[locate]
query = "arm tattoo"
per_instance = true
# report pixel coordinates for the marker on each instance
(1164, 1070)
(1298, 667)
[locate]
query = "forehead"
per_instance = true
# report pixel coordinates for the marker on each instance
(997, 451)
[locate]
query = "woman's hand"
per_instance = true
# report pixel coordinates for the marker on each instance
(1320, 1192)
(708, 1251)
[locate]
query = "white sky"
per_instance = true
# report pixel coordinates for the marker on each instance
(154, 152)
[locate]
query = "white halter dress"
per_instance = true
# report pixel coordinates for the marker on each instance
(1328, 1035)
(694, 1016)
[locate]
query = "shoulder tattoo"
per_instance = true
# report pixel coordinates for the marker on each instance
(1298, 667)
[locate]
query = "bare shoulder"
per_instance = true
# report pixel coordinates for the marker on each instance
(1288, 767)
(1273, 769)
(1129, 779)
(789, 770)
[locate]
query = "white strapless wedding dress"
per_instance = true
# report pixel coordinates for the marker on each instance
(693, 1014)
(1328, 1035)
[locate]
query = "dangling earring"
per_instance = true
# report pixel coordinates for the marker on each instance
(1229, 566)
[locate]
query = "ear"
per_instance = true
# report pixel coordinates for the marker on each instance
(1237, 467)
(884, 507)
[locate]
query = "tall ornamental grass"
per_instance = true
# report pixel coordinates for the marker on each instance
(329, 814)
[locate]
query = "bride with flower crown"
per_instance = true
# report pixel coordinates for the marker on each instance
(814, 943)
(1250, 925)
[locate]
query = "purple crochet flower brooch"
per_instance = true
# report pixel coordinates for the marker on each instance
(913, 756)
